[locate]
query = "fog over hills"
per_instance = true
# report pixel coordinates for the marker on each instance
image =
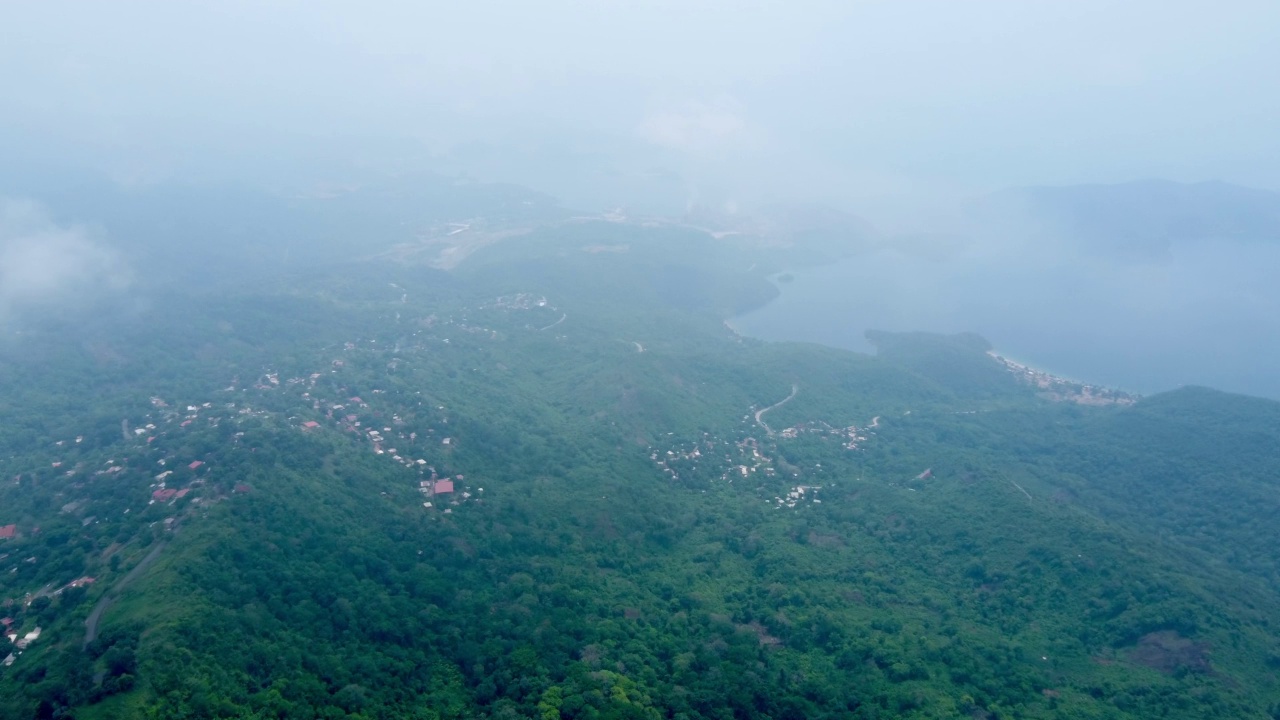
(622, 360)
(511, 462)
(1140, 218)
(1146, 286)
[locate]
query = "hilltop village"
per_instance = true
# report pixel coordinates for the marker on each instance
(151, 465)
(749, 458)
(168, 466)
(165, 468)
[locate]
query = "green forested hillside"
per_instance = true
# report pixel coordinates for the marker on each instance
(650, 516)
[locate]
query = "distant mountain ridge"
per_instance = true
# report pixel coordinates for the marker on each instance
(1142, 216)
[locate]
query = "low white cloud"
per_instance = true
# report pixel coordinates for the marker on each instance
(43, 263)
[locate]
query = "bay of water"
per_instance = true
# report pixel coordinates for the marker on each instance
(1206, 314)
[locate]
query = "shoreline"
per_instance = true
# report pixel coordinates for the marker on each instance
(1055, 385)
(1064, 389)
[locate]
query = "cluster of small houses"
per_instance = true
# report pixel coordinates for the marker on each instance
(742, 461)
(22, 643)
(437, 489)
(797, 495)
(1061, 389)
(164, 494)
(434, 487)
(152, 428)
(526, 301)
(10, 532)
(340, 413)
(160, 488)
(349, 422)
(848, 436)
(19, 643)
(518, 301)
(749, 458)
(745, 458)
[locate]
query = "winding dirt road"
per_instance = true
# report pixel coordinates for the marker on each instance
(95, 616)
(562, 317)
(760, 413)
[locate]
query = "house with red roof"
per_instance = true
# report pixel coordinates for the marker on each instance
(195, 464)
(163, 494)
(8, 531)
(310, 425)
(443, 486)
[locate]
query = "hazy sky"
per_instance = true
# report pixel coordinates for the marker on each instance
(856, 102)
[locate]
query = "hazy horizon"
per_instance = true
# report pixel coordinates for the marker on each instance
(916, 116)
(425, 360)
(878, 108)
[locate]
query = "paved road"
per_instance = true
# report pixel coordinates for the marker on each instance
(784, 401)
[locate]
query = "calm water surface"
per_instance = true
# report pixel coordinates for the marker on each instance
(1209, 314)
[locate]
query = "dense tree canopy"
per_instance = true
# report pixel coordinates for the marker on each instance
(241, 499)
